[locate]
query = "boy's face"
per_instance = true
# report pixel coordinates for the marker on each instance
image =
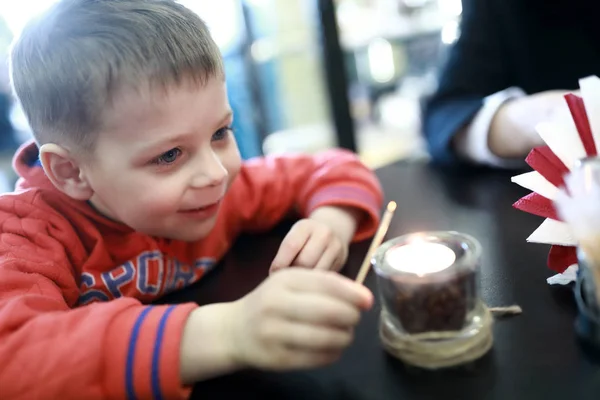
(165, 161)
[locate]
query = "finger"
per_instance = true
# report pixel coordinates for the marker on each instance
(340, 261)
(313, 250)
(315, 338)
(330, 284)
(291, 245)
(291, 358)
(331, 257)
(317, 309)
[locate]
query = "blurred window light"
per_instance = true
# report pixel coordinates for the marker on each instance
(381, 60)
(258, 3)
(415, 3)
(450, 32)
(222, 17)
(263, 50)
(451, 7)
(17, 14)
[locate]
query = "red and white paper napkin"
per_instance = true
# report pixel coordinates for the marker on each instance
(567, 141)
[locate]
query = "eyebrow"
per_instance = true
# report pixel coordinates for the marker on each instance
(155, 146)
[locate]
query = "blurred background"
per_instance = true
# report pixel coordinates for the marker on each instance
(303, 75)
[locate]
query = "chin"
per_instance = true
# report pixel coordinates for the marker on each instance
(193, 233)
(184, 236)
(186, 232)
(191, 237)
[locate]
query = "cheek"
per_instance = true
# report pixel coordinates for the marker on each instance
(142, 195)
(231, 160)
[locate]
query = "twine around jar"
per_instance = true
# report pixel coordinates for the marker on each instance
(434, 350)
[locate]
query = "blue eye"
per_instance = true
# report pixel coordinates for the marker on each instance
(221, 134)
(169, 157)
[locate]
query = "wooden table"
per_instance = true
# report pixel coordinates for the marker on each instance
(535, 355)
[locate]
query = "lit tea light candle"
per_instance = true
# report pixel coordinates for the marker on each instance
(428, 281)
(420, 258)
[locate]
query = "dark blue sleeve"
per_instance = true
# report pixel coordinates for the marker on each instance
(477, 67)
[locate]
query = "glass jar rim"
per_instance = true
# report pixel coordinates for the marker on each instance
(467, 261)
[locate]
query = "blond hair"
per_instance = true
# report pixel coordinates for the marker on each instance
(69, 64)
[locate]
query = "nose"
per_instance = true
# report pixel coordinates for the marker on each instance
(210, 171)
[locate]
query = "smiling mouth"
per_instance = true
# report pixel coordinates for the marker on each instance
(202, 211)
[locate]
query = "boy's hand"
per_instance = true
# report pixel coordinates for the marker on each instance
(296, 319)
(320, 241)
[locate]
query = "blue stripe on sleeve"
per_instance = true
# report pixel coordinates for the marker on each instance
(130, 390)
(155, 378)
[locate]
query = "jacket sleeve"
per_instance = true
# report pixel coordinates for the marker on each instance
(50, 348)
(269, 189)
(477, 67)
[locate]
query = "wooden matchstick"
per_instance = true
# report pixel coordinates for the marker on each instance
(381, 232)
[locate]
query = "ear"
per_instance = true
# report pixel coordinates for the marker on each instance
(64, 171)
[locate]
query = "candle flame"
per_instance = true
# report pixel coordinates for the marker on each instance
(421, 257)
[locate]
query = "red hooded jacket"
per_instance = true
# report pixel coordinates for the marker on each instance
(74, 286)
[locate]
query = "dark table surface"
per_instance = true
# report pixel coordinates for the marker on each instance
(535, 355)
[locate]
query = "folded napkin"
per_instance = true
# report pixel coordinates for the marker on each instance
(567, 140)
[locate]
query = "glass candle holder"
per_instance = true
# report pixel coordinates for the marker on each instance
(429, 282)
(587, 323)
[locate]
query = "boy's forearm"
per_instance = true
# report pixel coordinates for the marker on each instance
(206, 348)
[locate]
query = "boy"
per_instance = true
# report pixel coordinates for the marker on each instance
(134, 188)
